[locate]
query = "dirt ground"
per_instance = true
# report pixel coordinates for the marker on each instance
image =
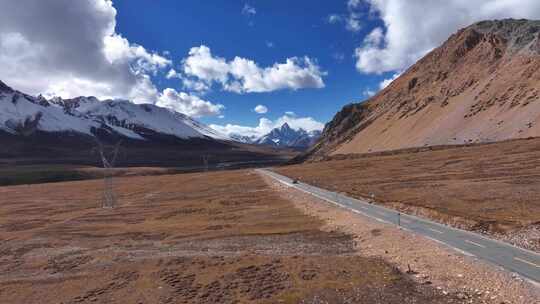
(425, 261)
(222, 237)
(492, 188)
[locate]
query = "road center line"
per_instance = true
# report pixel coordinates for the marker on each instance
(351, 205)
(476, 244)
(435, 230)
(380, 213)
(526, 262)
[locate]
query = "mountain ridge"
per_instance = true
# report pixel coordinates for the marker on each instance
(481, 85)
(38, 130)
(285, 136)
(86, 115)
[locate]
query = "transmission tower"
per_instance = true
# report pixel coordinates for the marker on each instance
(109, 198)
(205, 162)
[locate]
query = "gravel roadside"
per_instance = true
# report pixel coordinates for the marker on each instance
(426, 261)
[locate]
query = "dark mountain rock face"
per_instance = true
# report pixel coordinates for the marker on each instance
(285, 136)
(4, 88)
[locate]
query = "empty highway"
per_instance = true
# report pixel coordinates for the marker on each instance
(523, 262)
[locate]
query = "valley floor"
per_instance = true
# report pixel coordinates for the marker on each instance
(489, 188)
(425, 261)
(222, 237)
(218, 237)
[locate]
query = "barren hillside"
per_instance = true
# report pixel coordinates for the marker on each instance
(481, 85)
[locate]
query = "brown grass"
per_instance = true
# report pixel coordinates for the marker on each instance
(221, 237)
(494, 187)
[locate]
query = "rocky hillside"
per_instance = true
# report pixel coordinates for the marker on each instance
(481, 85)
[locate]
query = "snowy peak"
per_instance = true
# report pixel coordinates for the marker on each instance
(285, 136)
(286, 128)
(21, 114)
(243, 138)
(142, 119)
(75, 105)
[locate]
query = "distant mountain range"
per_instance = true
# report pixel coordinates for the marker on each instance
(58, 129)
(481, 85)
(23, 114)
(283, 137)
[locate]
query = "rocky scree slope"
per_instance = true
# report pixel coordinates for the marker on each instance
(481, 85)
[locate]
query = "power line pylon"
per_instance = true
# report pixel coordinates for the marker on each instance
(109, 198)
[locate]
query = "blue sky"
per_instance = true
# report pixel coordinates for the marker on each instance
(278, 30)
(216, 60)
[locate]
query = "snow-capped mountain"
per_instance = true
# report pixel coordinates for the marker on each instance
(37, 130)
(285, 136)
(22, 114)
(243, 138)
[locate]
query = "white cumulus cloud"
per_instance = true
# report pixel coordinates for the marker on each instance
(368, 93)
(172, 73)
(261, 109)
(243, 75)
(334, 18)
(386, 82)
(351, 20)
(352, 4)
(70, 48)
(201, 64)
(195, 85)
(414, 27)
(248, 10)
(188, 104)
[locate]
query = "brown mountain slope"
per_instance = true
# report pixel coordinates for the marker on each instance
(481, 85)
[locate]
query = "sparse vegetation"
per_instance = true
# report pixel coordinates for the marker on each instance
(492, 188)
(221, 237)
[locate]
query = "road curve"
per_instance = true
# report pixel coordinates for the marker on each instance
(523, 262)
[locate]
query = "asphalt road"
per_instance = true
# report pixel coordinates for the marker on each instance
(523, 262)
